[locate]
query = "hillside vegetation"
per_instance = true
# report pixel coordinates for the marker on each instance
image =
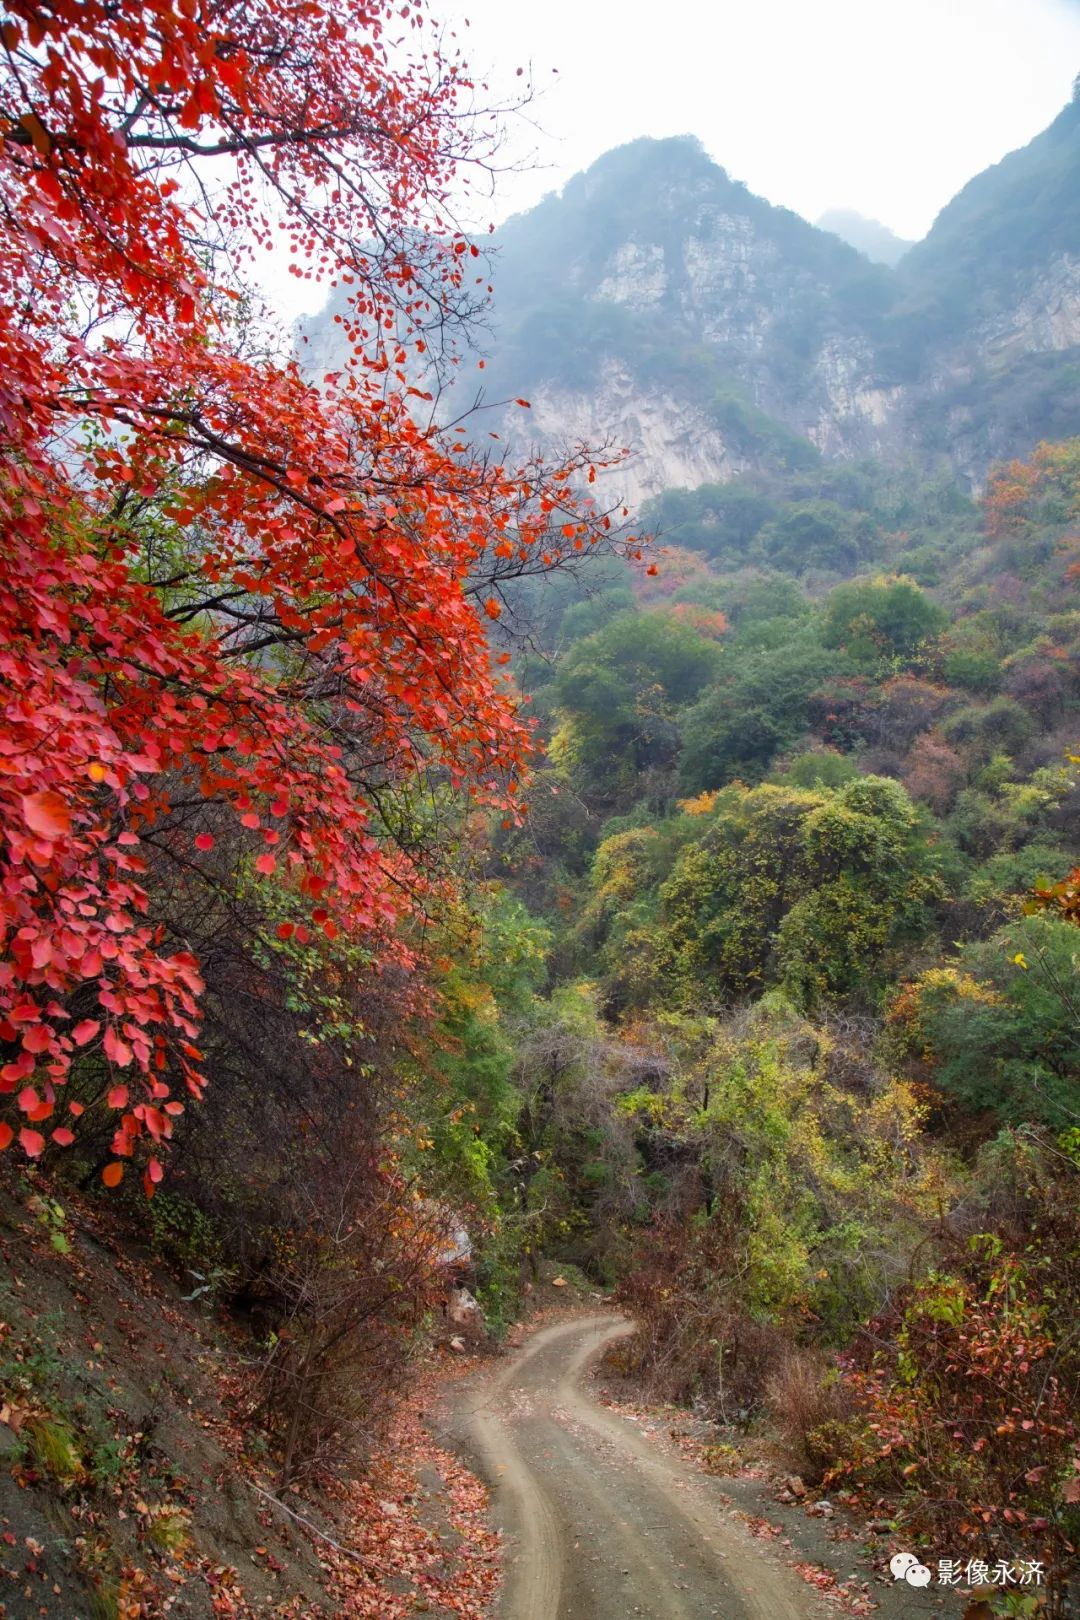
(806, 1090)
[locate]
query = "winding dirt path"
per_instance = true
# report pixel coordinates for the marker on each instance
(601, 1524)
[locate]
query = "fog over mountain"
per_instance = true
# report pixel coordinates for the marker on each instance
(868, 236)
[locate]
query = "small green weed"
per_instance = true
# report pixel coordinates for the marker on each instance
(109, 1462)
(53, 1448)
(169, 1528)
(182, 1234)
(720, 1459)
(53, 1218)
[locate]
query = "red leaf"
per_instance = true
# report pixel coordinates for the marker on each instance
(62, 1136)
(118, 1097)
(47, 814)
(7, 1136)
(85, 1032)
(265, 864)
(116, 1049)
(32, 1142)
(113, 1175)
(204, 841)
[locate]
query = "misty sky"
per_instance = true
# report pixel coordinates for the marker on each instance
(885, 106)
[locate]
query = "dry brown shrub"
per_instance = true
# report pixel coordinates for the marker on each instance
(813, 1411)
(935, 773)
(696, 1343)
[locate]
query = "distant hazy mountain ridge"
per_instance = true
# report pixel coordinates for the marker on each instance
(868, 236)
(660, 303)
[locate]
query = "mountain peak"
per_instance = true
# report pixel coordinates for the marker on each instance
(658, 300)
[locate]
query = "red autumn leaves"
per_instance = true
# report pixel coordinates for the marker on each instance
(231, 605)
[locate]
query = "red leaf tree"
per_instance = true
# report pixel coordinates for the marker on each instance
(226, 591)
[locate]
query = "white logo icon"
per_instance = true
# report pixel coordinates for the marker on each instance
(906, 1567)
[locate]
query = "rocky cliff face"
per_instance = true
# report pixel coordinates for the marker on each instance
(1045, 317)
(675, 442)
(658, 304)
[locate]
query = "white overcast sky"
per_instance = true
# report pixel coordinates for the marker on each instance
(885, 106)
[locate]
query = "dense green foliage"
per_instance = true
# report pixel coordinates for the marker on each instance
(802, 782)
(621, 686)
(1001, 1029)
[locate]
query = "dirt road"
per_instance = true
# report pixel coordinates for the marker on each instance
(600, 1523)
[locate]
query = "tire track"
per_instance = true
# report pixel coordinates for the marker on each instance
(600, 1523)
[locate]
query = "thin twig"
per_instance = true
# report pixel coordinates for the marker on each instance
(349, 1552)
